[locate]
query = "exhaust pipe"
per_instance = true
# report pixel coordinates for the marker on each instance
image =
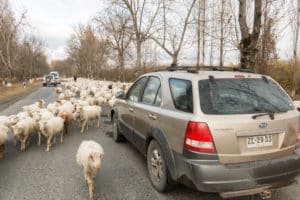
(266, 194)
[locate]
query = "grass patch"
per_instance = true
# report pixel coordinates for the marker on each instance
(17, 89)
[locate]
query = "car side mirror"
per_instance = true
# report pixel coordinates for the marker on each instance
(120, 95)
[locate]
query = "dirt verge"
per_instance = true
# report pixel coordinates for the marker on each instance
(10, 95)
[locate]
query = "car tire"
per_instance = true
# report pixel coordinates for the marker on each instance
(116, 134)
(157, 168)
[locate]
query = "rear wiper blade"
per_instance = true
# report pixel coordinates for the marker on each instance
(263, 114)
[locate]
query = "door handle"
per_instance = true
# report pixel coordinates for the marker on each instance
(153, 117)
(131, 109)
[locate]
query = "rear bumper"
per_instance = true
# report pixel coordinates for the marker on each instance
(211, 176)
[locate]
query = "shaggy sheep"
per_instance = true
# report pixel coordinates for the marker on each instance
(22, 130)
(58, 90)
(54, 107)
(42, 115)
(61, 96)
(3, 138)
(66, 111)
(89, 156)
(51, 128)
(4, 120)
(89, 113)
(34, 107)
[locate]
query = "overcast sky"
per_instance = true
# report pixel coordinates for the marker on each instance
(52, 20)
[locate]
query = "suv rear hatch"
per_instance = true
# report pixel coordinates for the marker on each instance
(250, 119)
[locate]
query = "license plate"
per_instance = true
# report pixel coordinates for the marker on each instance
(259, 141)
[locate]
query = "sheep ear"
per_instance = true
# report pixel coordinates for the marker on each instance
(91, 157)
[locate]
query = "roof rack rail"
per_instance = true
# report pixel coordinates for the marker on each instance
(193, 69)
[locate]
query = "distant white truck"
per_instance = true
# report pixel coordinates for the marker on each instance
(56, 76)
(51, 79)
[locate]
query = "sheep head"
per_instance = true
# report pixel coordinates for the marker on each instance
(95, 160)
(41, 103)
(16, 130)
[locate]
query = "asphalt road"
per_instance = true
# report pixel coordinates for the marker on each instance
(39, 175)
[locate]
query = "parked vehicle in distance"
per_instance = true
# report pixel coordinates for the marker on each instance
(49, 80)
(56, 76)
(220, 130)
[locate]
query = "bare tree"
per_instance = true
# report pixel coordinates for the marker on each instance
(143, 15)
(221, 61)
(175, 40)
(249, 40)
(88, 52)
(295, 50)
(9, 28)
(115, 26)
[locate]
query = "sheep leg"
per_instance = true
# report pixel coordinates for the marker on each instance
(15, 140)
(83, 126)
(90, 183)
(1, 151)
(49, 143)
(91, 190)
(62, 137)
(39, 140)
(28, 140)
(98, 121)
(23, 143)
(66, 125)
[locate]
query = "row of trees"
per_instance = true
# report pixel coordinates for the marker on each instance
(147, 33)
(21, 57)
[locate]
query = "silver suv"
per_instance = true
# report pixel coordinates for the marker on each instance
(220, 130)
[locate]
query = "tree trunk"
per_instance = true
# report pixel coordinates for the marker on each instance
(294, 67)
(203, 31)
(198, 33)
(175, 59)
(248, 44)
(222, 34)
(138, 54)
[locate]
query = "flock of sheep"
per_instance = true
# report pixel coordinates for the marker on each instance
(78, 102)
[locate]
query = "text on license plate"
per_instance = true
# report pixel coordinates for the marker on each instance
(259, 141)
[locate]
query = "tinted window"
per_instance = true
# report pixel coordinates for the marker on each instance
(182, 94)
(134, 92)
(151, 90)
(242, 96)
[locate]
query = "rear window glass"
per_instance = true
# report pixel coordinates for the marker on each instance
(182, 94)
(242, 96)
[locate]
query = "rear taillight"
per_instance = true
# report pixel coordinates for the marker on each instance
(298, 135)
(198, 138)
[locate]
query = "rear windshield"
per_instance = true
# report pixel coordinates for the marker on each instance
(242, 96)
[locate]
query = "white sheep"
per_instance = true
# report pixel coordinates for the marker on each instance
(89, 156)
(42, 115)
(3, 138)
(23, 130)
(13, 119)
(58, 90)
(54, 107)
(51, 128)
(61, 96)
(4, 120)
(37, 105)
(89, 113)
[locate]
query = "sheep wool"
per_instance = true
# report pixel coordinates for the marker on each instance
(3, 138)
(89, 156)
